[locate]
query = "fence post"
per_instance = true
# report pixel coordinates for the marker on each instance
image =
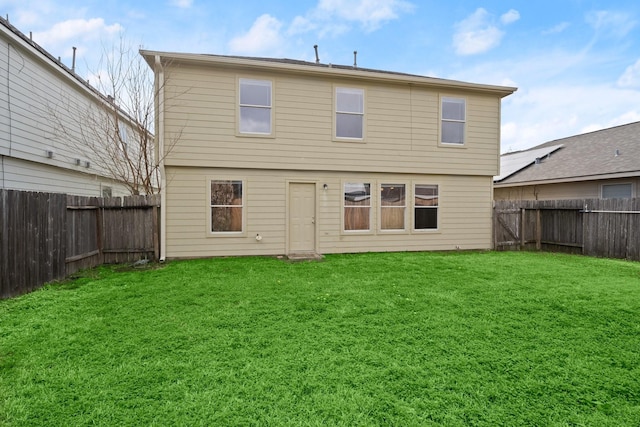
(99, 232)
(156, 237)
(522, 228)
(538, 230)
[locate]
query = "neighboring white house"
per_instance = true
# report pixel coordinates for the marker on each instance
(38, 96)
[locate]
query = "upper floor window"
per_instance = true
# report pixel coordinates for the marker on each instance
(349, 113)
(255, 106)
(453, 120)
(617, 191)
(357, 206)
(226, 206)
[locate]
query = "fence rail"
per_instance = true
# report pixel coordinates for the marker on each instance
(48, 236)
(596, 227)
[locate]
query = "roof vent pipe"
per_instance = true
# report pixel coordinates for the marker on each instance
(315, 47)
(355, 59)
(73, 61)
(617, 153)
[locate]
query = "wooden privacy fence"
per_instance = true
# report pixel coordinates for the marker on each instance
(597, 227)
(48, 236)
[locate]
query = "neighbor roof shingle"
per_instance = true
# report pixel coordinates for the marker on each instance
(587, 156)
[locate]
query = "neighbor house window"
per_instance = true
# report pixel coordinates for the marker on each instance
(453, 120)
(349, 113)
(613, 191)
(255, 106)
(226, 206)
(107, 191)
(357, 206)
(392, 206)
(425, 207)
(123, 133)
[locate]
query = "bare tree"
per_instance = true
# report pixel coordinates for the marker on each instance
(116, 132)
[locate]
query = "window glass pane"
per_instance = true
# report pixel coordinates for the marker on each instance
(350, 100)
(453, 108)
(612, 191)
(348, 125)
(426, 218)
(226, 193)
(426, 195)
(453, 132)
(255, 120)
(255, 92)
(226, 219)
(357, 202)
(356, 218)
(357, 194)
(392, 194)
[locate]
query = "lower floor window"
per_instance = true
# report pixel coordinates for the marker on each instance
(392, 206)
(226, 206)
(357, 206)
(425, 207)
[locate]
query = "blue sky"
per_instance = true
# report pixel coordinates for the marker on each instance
(576, 63)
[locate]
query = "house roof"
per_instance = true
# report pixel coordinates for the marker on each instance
(607, 153)
(292, 65)
(55, 64)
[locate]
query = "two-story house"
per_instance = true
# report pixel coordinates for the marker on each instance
(45, 134)
(301, 158)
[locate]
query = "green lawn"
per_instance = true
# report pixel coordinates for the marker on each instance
(405, 339)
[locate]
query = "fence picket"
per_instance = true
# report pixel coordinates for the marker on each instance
(596, 227)
(47, 236)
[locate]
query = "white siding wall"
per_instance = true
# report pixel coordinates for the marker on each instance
(33, 91)
(18, 174)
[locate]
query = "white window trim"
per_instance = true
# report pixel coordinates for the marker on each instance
(372, 202)
(464, 121)
(241, 233)
(271, 107)
(336, 112)
(413, 209)
(381, 207)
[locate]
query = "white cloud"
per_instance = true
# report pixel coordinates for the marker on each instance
(545, 113)
(476, 34)
(76, 29)
(301, 25)
(183, 4)
(616, 24)
(371, 14)
(263, 37)
(631, 76)
(557, 28)
(510, 17)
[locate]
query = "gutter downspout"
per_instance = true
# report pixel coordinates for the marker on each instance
(159, 81)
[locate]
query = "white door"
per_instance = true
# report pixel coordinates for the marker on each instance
(302, 221)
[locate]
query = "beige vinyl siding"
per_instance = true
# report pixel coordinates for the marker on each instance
(464, 213)
(401, 126)
(565, 190)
